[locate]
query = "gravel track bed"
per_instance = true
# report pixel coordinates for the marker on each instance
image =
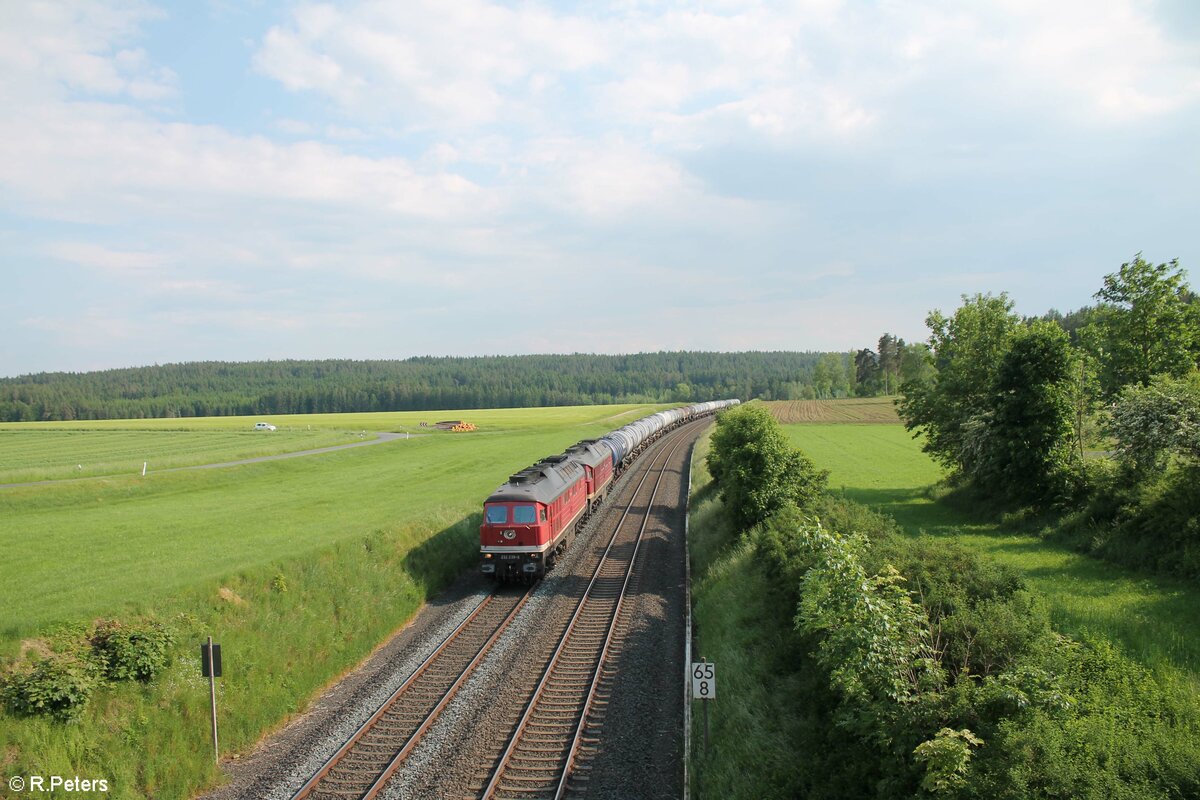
(641, 747)
(640, 754)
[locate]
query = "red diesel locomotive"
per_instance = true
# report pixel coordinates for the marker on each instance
(533, 517)
(530, 519)
(597, 460)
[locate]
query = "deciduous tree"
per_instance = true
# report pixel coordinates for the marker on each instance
(967, 349)
(1151, 325)
(1153, 422)
(756, 469)
(1030, 436)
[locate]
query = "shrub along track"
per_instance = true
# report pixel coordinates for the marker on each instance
(633, 736)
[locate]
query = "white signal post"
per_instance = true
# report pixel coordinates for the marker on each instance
(704, 687)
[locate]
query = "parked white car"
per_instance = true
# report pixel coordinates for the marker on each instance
(263, 426)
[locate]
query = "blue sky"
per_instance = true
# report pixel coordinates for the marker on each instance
(241, 181)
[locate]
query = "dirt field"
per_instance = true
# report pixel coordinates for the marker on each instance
(873, 410)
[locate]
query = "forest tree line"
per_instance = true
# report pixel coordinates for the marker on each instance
(216, 388)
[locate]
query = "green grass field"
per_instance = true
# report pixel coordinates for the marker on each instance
(83, 548)
(55, 454)
(1157, 620)
(36, 451)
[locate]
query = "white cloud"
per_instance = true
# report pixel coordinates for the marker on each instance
(92, 161)
(47, 47)
(675, 79)
(1115, 56)
(103, 325)
(106, 259)
(425, 62)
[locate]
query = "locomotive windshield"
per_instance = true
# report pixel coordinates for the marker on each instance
(497, 515)
(524, 515)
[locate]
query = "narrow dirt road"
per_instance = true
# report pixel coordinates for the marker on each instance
(379, 439)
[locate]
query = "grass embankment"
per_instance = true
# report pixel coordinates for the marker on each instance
(298, 567)
(1156, 620)
(756, 716)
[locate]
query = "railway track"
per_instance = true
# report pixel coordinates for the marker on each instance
(542, 758)
(363, 765)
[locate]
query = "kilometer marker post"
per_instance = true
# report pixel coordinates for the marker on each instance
(704, 687)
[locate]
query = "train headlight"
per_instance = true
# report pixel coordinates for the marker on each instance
(487, 555)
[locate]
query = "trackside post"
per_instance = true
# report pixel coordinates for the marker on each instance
(210, 667)
(704, 687)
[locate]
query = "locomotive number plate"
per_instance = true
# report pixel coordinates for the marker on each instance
(509, 556)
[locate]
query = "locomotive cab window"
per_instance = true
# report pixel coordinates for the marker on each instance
(543, 515)
(524, 515)
(497, 515)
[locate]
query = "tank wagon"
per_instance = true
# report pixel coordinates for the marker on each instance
(533, 517)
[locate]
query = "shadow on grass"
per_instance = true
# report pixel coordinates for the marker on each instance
(442, 557)
(707, 491)
(914, 510)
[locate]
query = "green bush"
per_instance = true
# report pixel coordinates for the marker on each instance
(132, 651)
(1150, 522)
(931, 671)
(58, 686)
(756, 470)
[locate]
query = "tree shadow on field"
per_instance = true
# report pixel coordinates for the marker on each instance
(444, 556)
(913, 509)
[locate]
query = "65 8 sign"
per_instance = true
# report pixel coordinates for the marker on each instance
(704, 680)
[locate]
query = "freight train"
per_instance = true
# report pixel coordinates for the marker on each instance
(533, 517)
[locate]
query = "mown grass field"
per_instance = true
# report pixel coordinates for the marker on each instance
(1156, 620)
(299, 567)
(35, 451)
(55, 454)
(90, 547)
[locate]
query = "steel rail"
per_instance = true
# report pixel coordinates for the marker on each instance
(311, 786)
(527, 715)
(591, 695)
